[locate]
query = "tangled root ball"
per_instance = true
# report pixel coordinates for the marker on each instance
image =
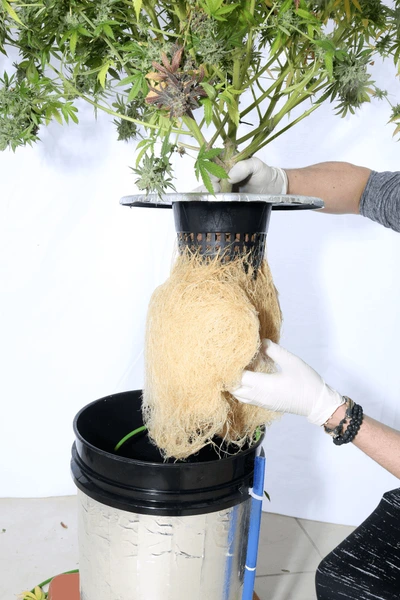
(204, 327)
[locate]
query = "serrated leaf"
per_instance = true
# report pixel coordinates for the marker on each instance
(288, 4)
(206, 179)
(213, 5)
(329, 63)
(303, 13)
(165, 145)
(209, 89)
(56, 114)
(137, 5)
(108, 31)
(284, 30)
(114, 73)
(215, 169)
(103, 74)
(73, 116)
(234, 114)
(136, 88)
(208, 110)
(83, 31)
(69, 110)
(226, 9)
(276, 45)
(396, 131)
(127, 80)
(143, 152)
(267, 495)
(72, 41)
(212, 153)
(324, 97)
(32, 73)
(65, 113)
(228, 98)
(9, 9)
(142, 143)
(326, 45)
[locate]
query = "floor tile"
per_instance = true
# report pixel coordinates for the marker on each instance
(325, 535)
(39, 541)
(288, 586)
(284, 546)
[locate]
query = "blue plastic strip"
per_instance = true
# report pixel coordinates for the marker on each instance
(254, 528)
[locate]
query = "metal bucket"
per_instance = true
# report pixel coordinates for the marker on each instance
(156, 530)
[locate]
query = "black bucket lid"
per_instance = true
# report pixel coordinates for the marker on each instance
(137, 479)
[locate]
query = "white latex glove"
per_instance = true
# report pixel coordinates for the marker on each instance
(262, 179)
(296, 388)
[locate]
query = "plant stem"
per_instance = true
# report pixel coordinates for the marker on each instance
(250, 150)
(263, 131)
(249, 46)
(153, 17)
(219, 128)
(128, 436)
(267, 93)
(220, 131)
(194, 129)
(265, 119)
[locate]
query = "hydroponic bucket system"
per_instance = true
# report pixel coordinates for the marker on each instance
(151, 529)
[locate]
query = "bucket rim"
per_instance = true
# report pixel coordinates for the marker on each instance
(278, 201)
(124, 459)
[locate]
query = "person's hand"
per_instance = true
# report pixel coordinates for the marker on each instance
(253, 177)
(296, 388)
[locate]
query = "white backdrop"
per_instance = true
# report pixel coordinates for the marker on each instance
(77, 271)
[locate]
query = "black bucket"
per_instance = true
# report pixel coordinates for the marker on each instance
(226, 229)
(137, 479)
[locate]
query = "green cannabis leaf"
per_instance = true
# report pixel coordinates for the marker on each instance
(204, 166)
(212, 73)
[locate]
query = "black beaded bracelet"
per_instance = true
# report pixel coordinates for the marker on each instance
(354, 415)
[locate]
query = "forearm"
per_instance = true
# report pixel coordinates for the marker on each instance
(379, 442)
(340, 185)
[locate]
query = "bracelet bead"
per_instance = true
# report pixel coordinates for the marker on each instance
(354, 418)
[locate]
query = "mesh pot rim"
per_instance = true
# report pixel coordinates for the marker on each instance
(278, 201)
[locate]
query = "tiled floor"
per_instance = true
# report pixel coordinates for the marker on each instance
(38, 539)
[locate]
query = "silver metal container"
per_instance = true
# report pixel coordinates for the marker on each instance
(151, 529)
(130, 556)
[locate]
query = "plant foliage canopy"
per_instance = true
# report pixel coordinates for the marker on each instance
(218, 78)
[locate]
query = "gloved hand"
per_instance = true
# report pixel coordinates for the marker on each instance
(296, 388)
(259, 178)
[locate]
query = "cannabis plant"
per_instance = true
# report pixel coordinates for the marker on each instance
(218, 79)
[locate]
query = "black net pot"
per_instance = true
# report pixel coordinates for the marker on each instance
(227, 230)
(225, 225)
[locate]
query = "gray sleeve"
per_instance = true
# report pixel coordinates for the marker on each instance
(380, 200)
